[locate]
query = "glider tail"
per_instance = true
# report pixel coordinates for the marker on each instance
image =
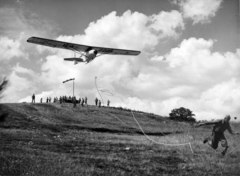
(76, 60)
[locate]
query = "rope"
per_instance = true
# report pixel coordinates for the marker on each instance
(167, 144)
(233, 149)
(188, 143)
(98, 90)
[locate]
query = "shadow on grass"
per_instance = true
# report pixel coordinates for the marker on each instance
(116, 131)
(3, 117)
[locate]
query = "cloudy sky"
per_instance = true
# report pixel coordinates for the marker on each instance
(190, 53)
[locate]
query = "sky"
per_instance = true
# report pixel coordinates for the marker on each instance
(190, 53)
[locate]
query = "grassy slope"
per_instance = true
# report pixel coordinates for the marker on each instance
(50, 139)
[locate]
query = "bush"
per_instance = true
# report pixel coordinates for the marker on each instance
(182, 114)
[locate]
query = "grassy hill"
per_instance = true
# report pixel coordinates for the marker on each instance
(54, 139)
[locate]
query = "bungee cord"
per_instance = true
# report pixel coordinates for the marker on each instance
(188, 143)
(154, 141)
(233, 149)
(98, 90)
(119, 119)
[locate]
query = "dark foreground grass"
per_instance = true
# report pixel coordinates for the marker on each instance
(47, 139)
(84, 154)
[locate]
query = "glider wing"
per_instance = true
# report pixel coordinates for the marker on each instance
(78, 47)
(114, 51)
(57, 44)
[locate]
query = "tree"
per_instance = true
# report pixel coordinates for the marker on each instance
(2, 87)
(182, 114)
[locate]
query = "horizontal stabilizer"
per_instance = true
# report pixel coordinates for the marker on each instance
(70, 59)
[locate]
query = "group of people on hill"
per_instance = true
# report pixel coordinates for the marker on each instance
(65, 99)
(70, 99)
(98, 102)
(48, 99)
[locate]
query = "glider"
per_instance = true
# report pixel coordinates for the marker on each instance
(87, 53)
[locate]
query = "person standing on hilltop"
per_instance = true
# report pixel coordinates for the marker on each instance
(108, 103)
(218, 133)
(33, 98)
(96, 101)
(82, 102)
(74, 101)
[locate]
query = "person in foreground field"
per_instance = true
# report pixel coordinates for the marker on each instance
(218, 133)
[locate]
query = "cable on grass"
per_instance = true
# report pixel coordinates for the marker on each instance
(188, 143)
(233, 149)
(160, 143)
(119, 120)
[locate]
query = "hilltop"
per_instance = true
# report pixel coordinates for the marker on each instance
(57, 139)
(54, 116)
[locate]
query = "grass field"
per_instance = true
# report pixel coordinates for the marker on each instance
(54, 139)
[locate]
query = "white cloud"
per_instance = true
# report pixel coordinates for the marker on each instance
(166, 23)
(213, 103)
(199, 11)
(10, 48)
(124, 31)
(194, 58)
(19, 86)
(223, 97)
(193, 77)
